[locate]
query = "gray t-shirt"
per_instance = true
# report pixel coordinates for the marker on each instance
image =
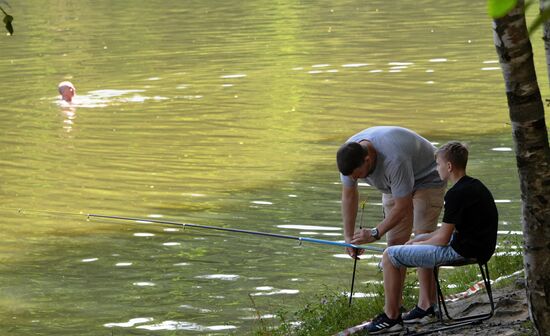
(405, 161)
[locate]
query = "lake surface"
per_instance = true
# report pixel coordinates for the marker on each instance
(217, 113)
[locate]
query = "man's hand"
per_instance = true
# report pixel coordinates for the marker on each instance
(362, 236)
(354, 253)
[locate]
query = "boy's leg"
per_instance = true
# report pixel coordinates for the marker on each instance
(394, 259)
(427, 290)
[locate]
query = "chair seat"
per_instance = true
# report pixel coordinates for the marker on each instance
(463, 262)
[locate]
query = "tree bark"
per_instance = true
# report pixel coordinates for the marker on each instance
(532, 155)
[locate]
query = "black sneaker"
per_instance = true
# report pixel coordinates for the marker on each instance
(383, 324)
(419, 315)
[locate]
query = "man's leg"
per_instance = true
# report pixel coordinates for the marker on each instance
(427, 204)
(393, 284)
(398, 235)
(390, 320)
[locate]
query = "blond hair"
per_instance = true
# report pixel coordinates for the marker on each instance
(454, 152)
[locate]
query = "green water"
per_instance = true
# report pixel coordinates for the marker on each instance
(217, 113)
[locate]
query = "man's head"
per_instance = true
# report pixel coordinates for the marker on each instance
(66, 90)
(451, 156)
(350, 156)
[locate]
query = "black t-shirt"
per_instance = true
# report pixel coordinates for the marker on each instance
(470, 206)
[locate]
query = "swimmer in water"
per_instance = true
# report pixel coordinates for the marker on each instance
(67, 91)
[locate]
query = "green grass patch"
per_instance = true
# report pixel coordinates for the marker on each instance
(325, 314)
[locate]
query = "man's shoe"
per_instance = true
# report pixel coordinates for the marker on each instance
(383, 324)
(419, 315)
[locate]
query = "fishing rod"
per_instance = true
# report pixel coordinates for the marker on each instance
(258, 233)
(267, 234)
(356, 256)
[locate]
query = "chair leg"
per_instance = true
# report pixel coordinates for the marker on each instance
(488, 288)
(440, 298)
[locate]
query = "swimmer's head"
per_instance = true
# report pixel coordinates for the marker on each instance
(66, 90)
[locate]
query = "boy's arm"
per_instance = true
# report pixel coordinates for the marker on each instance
(421, 237)
(440, 237)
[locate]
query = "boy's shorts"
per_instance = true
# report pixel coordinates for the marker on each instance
(424, 256)
(427, 205)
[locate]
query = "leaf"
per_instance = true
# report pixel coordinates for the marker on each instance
(499, 8)
(541, 18)
(7, 21)
(9, 27)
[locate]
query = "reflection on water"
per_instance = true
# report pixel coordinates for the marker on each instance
(227, 277)
(233, 122)
(167, 325)
(177, 325)
(130, 323)
(276, 292)
(69, 114)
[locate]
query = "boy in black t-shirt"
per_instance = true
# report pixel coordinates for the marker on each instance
(469, 230)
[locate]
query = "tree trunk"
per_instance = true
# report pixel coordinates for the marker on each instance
(532, 155)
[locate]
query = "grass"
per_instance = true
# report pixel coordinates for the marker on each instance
(329, 313)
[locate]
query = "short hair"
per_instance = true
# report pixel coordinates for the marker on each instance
(65, 85)
(350, 155)
(454, 152)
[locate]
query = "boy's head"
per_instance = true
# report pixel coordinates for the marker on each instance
(66, 90)
(350, 156)
(451, 156)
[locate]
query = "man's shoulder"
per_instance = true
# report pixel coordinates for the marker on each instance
(378, 131)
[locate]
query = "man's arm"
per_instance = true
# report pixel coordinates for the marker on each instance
(350, 200)
(439, 237)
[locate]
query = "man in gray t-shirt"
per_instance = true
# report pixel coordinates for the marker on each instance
(401, 164)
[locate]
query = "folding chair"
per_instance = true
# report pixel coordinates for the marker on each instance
(469, 319)
(456, 322)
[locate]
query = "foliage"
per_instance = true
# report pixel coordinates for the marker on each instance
(539, 20)
(499, 8)
(7, 20)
